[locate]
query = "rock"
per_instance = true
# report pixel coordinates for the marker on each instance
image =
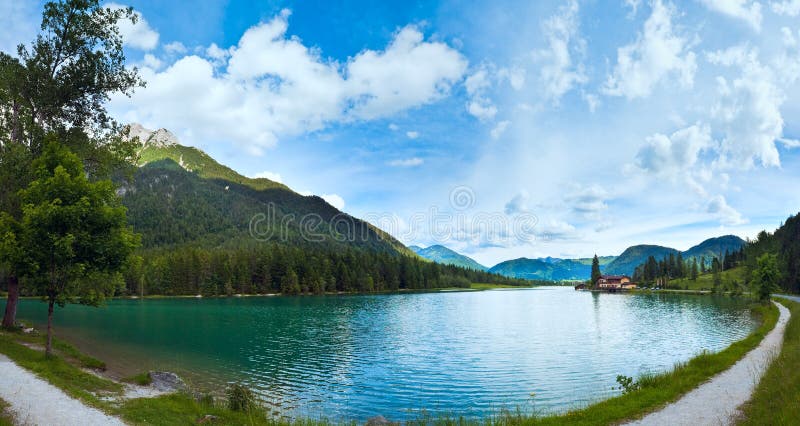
(166, 381)
(378, 421)
(208, 418)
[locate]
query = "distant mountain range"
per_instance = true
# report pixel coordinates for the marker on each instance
(557, 269)
(442, 254)
(549, 268)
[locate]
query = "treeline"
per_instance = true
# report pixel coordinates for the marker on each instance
(276, 268)
(784, 244)
(675, 267)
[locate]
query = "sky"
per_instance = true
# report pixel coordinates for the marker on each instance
(500, 129)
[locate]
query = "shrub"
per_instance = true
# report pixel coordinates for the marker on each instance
(240, 398)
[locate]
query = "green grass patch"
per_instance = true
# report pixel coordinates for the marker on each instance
(706, 281)
(58, 372)
(6, 418)
(141, 379)
(182, 409)
(776, 400)
(657, 390)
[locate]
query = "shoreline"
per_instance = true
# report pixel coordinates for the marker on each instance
(557, 418)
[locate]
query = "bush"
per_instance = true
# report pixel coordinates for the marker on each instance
(240, 398)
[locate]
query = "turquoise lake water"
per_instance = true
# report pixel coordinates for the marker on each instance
(454, 353)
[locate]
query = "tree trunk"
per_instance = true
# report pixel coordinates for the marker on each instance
(10, 316)
(48, 350)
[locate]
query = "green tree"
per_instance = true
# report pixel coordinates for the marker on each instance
(74, 232)
(595, 270)
(694, 270)
(767, 276)
(60, 84)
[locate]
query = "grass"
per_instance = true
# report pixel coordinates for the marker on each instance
(6, 418)
(776, 400)
(58, 371)
(706, 281)
(181, 408)
(141, 379)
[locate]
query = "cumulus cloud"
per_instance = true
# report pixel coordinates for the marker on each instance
(558, 72)
(271, 85)
(746, 10)
(787, 7)
(748, 110)
(412, 134)
(275, 177)
(674, 154)
(499, 129)
(477, 84)
(138, 35)
(175, 47)
(406, 162)
(657, 53)
(518, 204)
(588, 201)
(726, 214)
(393, 127)
(553, 229)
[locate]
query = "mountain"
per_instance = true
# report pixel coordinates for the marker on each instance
(549, 268)
(442, 254)
(715, 247)
(634, 256)
(180, 195)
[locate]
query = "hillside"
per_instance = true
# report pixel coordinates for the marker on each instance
(634, 256)
(181, 195)
(542, 269)
(444, 255)
(715, 247)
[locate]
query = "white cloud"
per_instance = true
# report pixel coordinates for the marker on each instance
(589, 200)
(477, 84)
(518, 204)
(657, 53)
(272, 86)
(748, 110)
(726, 214)
(670, 156)
(412, 134)
(151, 61)
(786, 7)
(394, 127)
(746, 10)
(482, 108)
(592, 101)
(633, 5)
(406, 162)
(514, 75)
(558, 73)
(175, 47)
(275, 177)
(138, 35)
(499, 129)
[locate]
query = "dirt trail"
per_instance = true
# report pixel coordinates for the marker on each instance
(716, 402)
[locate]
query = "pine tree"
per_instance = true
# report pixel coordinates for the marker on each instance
(595, 270)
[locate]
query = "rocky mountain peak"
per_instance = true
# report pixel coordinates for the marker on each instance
(158, 138)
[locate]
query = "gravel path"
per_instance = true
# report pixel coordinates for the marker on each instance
(716, 402)
(36, 402)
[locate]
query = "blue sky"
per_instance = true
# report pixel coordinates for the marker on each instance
(501, 129)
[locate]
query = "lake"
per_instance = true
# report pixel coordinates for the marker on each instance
(455, 353)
